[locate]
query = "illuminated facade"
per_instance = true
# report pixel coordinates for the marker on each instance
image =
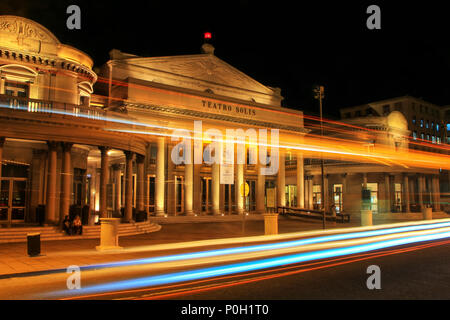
(70, 151)
(74, 142)
(398, 124)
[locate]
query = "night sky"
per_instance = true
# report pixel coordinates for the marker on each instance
(292, 45)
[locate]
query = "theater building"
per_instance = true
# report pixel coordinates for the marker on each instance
(66, 149)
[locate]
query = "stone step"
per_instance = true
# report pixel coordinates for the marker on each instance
(89, 232)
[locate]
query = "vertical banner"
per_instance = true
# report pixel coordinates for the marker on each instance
(227, 165)
(226, 174)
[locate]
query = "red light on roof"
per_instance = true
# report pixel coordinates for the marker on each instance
(207, 35)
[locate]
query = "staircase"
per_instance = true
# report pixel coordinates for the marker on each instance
(8, 235)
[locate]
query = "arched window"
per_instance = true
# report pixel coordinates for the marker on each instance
(16, 80)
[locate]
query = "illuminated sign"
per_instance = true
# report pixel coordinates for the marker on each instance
(228, 108)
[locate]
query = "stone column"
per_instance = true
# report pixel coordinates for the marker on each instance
(406, 193)
(435, 192)
(50, 206)
(326, 194)
(438, 194)
(140, 183)
(260, 190)
(344, 191)
(188, 184)
(365, 180)
(420, 191)
(2, 142)
(300, 181)
(117, 194)
(66, 180)
(2, 85)
(197, 205)
(128, 216)
(171, 183)
(387, 193)
(237, 188)
(215, 188)
(310, 195)
(160, 178)
(103, 181)
(281, 180)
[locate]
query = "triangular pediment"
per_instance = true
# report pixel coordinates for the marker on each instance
(203, 67)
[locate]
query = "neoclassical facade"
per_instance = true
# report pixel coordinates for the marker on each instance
(67, 150)
(144, 137)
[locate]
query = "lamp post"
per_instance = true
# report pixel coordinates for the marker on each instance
(319, 95)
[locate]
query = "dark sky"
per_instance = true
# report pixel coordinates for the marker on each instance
(288, 44)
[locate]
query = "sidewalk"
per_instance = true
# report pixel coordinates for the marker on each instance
(60, 254)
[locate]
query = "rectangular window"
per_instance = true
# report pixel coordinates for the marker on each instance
(16, 89)
(414, 135)
(398, 197)
(337, 197)
(373, 187)
(317, 195)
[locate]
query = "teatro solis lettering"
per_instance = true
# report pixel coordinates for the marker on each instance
(228, 108)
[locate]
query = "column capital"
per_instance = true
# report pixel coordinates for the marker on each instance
(52, 145)
(116, 166)
(140, 158)
(67, 146)
(128, 154)
(104, 150)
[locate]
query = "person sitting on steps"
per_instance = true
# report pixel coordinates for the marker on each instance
(77, 226)
(67, 226)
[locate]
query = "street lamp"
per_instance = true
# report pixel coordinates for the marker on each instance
(319, 94)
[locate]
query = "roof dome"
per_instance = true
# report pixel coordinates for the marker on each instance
(397, 120)
(18, 33)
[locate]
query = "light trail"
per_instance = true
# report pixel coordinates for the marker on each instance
(275, 273)
(267, 247)
(279, 272)
(256, 264)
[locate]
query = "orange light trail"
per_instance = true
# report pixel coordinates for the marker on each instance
(319, 264)
(333, 263)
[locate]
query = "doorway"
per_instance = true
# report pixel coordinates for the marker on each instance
(206, 195)
(12, 200)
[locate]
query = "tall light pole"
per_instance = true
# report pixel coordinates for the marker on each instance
(319, 94)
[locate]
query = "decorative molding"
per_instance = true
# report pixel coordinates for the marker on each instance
(25, 28)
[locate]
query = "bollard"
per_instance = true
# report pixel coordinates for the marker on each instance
(109, 234)
(427, 213)
(34, 244)
(366, 218)
(270, 223)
